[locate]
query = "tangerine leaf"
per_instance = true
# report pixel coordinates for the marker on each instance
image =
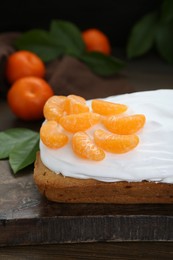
(6, 142)
(164, 41)
(142, 35)
(101, 64)
(24, 153)
(67, 35)
(41, 43)
(19, 145)
(167, 11)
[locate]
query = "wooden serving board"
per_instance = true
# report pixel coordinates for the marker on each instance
(27, 218)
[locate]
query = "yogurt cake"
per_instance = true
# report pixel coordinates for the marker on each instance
(142, 175)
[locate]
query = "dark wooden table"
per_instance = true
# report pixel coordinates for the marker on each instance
(33, 228)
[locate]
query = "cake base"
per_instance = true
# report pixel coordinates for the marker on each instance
(56, 187)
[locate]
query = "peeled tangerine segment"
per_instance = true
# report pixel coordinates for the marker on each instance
(76, 104)
(85, 148)
(79, 122)
(124, 125)
(114, 143)
(51, 136)
(107, 108)
(54, 108)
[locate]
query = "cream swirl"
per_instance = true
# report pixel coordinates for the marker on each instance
(151, 160)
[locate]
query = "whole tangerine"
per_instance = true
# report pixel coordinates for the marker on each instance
(23, 64)
(96, 40)
(27, 96)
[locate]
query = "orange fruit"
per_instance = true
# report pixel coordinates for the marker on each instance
(107, 108)
(76, 104)
(51, 135)
(27, 97)
(96, 40)
(54, 108)
(23, 64)
(84, 147)
(79, 122)
(114, 143)
(124, 125)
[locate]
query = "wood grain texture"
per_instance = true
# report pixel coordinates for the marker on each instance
(87, 251)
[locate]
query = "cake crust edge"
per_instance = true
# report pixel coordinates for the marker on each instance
(55, 187)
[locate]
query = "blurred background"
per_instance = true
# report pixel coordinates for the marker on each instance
(113, 17)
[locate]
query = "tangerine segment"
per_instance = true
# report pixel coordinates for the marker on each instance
(79, 122)
(85, 148)
(124, 125)
(107, 108)
(76, 104)
(51, 136)
(54, 108)
(114, 143)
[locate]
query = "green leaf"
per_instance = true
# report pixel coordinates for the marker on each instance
(6, 144)
(24, 154)
(167, 11)
(164, 41)
(41, 43)
(20, 146)
(67, 35)
(142, 35)
(101, 64)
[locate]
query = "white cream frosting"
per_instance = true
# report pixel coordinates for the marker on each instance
(151, 160)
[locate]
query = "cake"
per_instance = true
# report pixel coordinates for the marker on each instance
(142, 175)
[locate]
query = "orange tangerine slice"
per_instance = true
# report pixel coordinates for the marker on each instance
(54, 108)
(114, 143)
(124, 125)
(84, 147)
(79, 122)
(76, 104)
(107, 108)
(51, 136)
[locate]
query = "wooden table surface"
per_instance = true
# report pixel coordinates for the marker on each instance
(143, 74)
